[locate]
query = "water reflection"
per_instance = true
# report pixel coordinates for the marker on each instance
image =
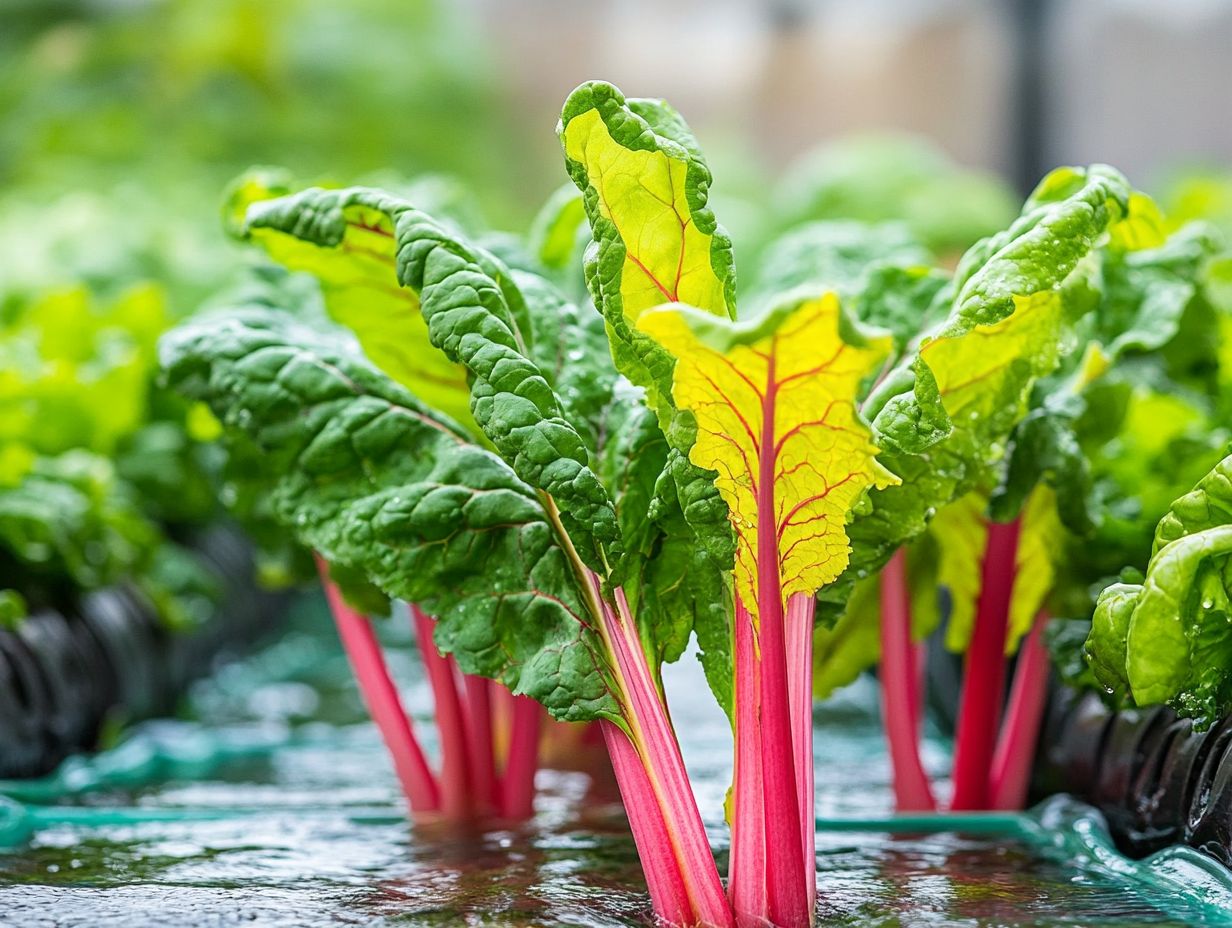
(323, 840)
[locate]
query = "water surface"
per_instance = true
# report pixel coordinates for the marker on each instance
(295, 822)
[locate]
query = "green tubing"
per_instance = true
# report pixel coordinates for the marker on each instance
(180, 752)
(971, 823)
(19, 822)
(1179, 880)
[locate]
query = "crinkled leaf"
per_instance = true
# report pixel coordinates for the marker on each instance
(675, 584)
(880, 272)
(836, 255)
(363, 472)
(1169, 639)
(1147, 291)
(1046, 447)
(1003, 333)
(476, 319)
(645, 189)
(1106, 641)
(345, 238)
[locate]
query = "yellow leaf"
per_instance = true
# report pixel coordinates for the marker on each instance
(1142, 227)
(642, 193)
(776, 418)
(1040, 538)
(961, 532)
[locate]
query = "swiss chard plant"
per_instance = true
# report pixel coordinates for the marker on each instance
(1058, 507)
(573, 492)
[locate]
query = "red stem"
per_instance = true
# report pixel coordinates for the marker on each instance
(479, 738)
(456, 786)
(979, 711)
(652, 735)
(518, 783)
(1011, 766)
(746, 885)
(666, 883)
(800, 609)
(900, 696)
(381, 697)
(786, 887)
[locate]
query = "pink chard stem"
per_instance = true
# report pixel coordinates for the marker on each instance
(518, 783)
(479, 739)
(1011, 766)
(381, 697)
(664, 878)
(900, 697)
(650, 733)
(746, 885)
(457, 789)
(979, 711)
(800, 609)
(787, 897)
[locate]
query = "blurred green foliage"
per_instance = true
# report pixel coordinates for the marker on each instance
(124, 119)
(123, 122)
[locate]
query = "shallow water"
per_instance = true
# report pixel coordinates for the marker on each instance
(294, 820)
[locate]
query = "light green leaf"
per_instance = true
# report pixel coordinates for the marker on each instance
(645, 189)
(1004, 331)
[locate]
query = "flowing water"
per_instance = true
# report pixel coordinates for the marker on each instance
(271, 804)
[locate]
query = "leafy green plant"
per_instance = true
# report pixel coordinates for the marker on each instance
(573, 495)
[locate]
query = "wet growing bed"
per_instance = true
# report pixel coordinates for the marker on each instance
(272, 804)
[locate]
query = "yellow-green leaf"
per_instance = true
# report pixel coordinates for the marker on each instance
(645, 188)
(774, 401)
(977, 371)
(961, 531)
(1040, 540)
(359, 280)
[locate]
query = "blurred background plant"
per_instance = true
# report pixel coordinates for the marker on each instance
(123, 121)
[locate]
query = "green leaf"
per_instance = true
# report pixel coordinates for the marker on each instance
(70, 523)
(1169, 639)
(474, 316)
(345, 238)
(1004, 331)
(836, 255)
(1147, 291)
(12, 609)
(558, 233)
(75, 372)
(1046, 447)
(364, 473)
(645, 188)
(880, 272)
(1106, 642)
